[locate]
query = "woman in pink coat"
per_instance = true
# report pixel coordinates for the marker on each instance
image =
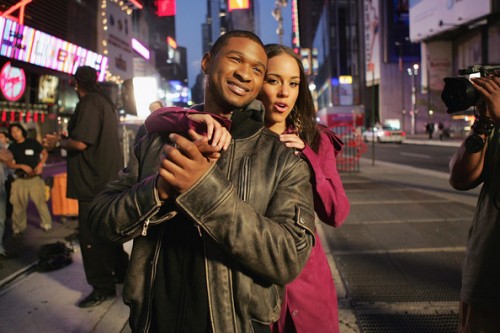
(310, 303)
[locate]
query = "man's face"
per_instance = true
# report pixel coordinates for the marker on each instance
(235, 74)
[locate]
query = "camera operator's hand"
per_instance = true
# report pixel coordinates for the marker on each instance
(489, 87)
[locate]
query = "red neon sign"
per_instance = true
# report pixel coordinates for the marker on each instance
(12, 82)
(20, 5)
(165, 8)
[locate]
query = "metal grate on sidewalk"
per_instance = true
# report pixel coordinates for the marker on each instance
(401, 277)
(408, 323)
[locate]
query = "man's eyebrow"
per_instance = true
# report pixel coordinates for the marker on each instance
(244, 56)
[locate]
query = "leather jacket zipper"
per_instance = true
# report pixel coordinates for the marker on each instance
(145, 227)
(151, 282)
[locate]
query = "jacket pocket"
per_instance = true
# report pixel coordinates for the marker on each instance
(305, 228)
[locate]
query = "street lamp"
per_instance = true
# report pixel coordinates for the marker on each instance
(278, 17)
(413, 72)
(403, 111)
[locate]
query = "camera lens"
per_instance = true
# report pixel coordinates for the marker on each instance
(459, 94)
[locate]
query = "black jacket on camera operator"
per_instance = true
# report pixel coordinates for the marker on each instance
(478, 161)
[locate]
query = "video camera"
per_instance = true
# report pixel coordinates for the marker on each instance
(459, 94)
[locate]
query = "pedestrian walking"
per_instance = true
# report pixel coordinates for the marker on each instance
(94, 159)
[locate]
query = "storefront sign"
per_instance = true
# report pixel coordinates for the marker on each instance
(26, 44)
(12, 82)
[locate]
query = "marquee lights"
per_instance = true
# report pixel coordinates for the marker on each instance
(26, 44)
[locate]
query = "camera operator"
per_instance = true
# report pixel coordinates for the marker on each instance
(478, 161)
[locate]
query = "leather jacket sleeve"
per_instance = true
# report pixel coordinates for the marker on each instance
(128, 205)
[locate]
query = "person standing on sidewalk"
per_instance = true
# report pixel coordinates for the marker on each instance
(476, 162)
(29, 160)
(141, 131)
(215, 239)
(310, 303)
(94, 159)
(5, 157)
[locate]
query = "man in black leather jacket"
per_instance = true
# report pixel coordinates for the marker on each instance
(215, 242)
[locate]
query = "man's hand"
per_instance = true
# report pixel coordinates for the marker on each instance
(489, 87)
(181, 167)
(50, 141)
(211, 152)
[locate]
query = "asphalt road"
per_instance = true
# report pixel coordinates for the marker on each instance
(436, 158)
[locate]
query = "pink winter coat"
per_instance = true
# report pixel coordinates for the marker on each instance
(310, 303)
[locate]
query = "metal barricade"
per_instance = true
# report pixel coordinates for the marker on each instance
(354, 147)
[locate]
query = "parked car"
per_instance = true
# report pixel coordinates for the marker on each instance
(384, 133)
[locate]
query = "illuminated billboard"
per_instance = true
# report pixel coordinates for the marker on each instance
(238, 4)
(430, 17)
(26, 44)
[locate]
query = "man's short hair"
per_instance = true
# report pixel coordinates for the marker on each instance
(222, 40)
(21, 127)
(153, 106)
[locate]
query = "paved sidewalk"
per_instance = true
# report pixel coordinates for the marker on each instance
(46, 302)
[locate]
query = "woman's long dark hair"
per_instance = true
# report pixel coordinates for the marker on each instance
(304, 106)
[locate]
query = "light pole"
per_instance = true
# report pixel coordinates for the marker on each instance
(278, 17)
(413, 72)
(403, 111)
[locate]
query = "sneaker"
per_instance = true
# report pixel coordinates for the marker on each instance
(7, 255)
(95, 298)
(46, 229)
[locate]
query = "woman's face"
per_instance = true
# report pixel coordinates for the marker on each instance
(280, 90)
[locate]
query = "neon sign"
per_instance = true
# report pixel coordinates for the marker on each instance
(20, 5)
(12, 82)
(141, 49)
(26, 44)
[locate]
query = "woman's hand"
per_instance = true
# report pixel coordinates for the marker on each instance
(293, 141)
(217, 134)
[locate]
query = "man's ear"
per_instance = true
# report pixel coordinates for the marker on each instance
(205, 63)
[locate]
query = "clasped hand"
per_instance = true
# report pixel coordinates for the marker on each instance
(184, 163)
